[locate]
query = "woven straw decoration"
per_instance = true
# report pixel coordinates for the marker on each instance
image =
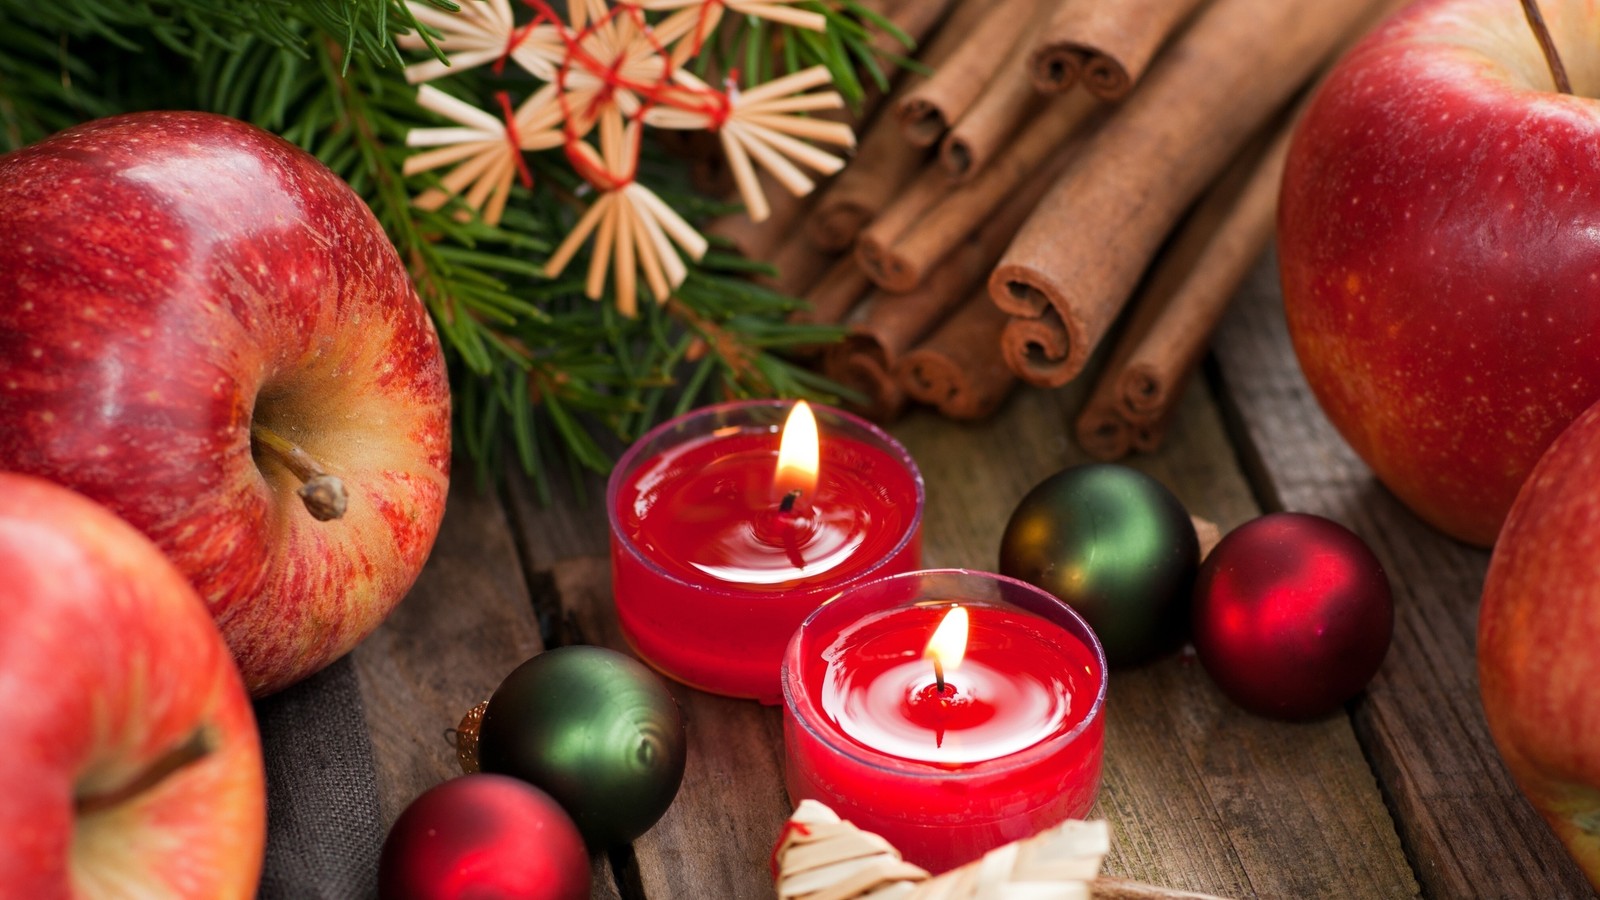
(821, 857)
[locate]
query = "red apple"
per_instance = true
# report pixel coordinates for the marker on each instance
(1539, 640)
(132, 765)
(1437, 235)
(195, 315)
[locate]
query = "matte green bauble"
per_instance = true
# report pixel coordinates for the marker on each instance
(1115, 545)
(595, 729)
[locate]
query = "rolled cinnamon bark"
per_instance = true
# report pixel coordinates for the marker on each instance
(1101, 430)
(884, 162)
(1105, 45)
(828, 301)
(926, 190)
(917, 19)
(958, 369)
(1035, 347)
(898, 258)
(1084, 248)
(799, 265)
(928, 110)
(1235, 222)
(1153, 375)
(1149, 436)
(882, 398)
(1006, 102)
(884, 326)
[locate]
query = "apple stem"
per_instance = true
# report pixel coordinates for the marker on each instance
(1558, 72)
(199, 745)
(323, 494)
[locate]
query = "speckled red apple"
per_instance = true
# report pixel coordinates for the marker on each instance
(1439, 234)
(1539, 640)
(195, 316)
(132, 766)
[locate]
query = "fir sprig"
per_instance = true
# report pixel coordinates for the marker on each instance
(539, 371)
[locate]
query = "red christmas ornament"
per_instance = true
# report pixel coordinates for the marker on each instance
(483, 836)
(1292, 615)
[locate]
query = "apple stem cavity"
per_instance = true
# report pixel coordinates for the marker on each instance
(1558, 72)
(202, 743)
(323, 494)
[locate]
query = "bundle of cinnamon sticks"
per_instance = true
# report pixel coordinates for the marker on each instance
(1059, 172)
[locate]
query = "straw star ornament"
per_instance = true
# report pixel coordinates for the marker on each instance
(487, 150)
(608, 71)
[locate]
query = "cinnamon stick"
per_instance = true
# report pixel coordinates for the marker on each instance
(927, 111)
(1006, 102)
(899, 257)
(1103, 430)
(1222, 239)
(1149, 436)
(1152, 377)
(830, 299)
(1087, 244)
(1107, 46)
(881, 397)
(958, 369)
(884, 326)
(924, 192)
(884, 162)
(1106, 427)
(834, 293)
(799, 265)
(1034, 347)
(917, 19)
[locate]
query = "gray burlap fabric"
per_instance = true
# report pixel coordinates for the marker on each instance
(324, 828)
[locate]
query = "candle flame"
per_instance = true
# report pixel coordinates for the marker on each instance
(948, 646)
(798, 453)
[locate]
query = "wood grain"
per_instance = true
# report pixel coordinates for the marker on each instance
(466, 623)
(1467, 830)
(463, 627)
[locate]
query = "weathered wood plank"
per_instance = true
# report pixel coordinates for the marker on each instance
(1468, 831)
(464, 626)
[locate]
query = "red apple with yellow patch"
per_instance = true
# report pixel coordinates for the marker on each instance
(1439, 240)
(1539, 640)
(196, 317)
(132, 765)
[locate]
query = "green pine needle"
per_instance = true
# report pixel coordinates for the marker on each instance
(538, 371)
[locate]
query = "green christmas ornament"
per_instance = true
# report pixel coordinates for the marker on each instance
(1115, 545)
(593, 728)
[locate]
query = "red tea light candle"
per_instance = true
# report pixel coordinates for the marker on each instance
(733, 523)
(949, 711)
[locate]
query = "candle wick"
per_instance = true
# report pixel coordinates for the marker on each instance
(938, 674)
(789, 501)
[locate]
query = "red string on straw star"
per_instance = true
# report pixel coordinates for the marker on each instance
(486, 151)
(608, 73)
(483, 31)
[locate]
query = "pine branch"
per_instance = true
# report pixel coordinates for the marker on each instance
(538, 371)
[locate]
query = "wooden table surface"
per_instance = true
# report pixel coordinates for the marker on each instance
(1401, 795)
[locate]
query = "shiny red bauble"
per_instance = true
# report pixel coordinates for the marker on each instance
(1292, 615)
(483, 836)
